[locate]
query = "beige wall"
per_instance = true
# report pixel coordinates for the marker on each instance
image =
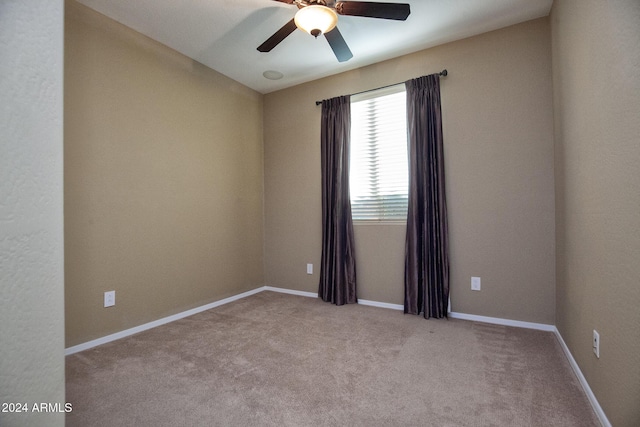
(163, 180)
(596, 77)
(498, 132)
(31, 203)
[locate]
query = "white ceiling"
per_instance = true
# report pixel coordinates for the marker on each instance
(224, 34)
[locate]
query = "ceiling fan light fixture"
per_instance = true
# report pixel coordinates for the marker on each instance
(316, 19)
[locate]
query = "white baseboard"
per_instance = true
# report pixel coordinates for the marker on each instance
(381, 304)
(472, 317)
(291, 292)
(155, 323)
(583, 381)
(315, 295)
(500, 321)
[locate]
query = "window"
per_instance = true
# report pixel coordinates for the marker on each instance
(378, 173)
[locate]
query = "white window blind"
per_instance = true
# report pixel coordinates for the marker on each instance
(378, 172)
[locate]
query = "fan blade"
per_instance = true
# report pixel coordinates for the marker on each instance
(369, 9)
(278, 36)
(338, 45)
(285, 1)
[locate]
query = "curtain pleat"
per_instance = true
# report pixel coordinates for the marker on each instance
(426, 246)
(337, 266)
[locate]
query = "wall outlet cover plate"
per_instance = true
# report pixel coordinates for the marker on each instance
(110, 298)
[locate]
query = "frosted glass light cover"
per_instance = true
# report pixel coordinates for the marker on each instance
(316, 19)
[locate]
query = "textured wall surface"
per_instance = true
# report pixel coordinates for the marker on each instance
(498, 136)
(163, 180)
(31, 233)
(596, 79)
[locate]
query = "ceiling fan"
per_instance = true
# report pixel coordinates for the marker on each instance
(318, 17)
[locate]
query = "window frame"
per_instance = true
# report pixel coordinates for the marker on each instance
(377, 93)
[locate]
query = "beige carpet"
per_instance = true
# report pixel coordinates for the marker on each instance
(281, 360)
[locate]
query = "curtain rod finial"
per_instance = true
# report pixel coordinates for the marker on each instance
(444, 73)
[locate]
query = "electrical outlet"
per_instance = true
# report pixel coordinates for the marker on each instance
(475, 283)
(309, 268)
(110, 298)
(596, 343)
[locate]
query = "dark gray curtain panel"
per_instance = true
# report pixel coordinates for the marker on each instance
(426, 276)
(337, 266)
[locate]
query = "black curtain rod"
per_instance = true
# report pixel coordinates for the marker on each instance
(442, 73)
